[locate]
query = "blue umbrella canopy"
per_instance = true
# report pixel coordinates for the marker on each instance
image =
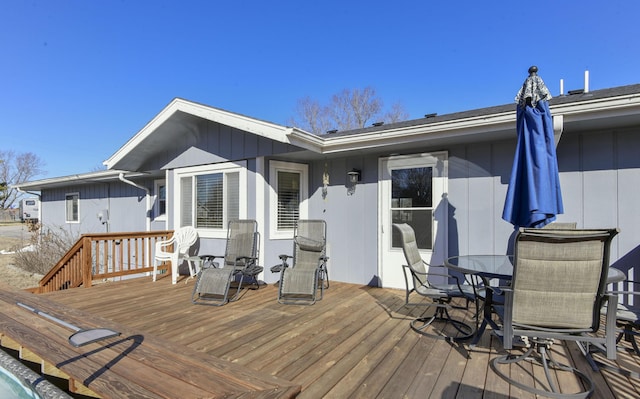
(534, 197)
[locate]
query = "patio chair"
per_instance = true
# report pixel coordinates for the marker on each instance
(628, 315)
(557, 292)
(418, 278)
(174, 250)
(300, 281)
(240, 260)
(627, 322)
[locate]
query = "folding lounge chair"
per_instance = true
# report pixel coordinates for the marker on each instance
(557, 292)
(300, 281)
(213, 283)
(174, 250)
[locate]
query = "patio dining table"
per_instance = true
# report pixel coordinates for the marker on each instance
(489, 267)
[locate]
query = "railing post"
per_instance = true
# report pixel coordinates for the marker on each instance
(87, 276)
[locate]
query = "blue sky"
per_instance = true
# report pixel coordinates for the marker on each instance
(78, 78)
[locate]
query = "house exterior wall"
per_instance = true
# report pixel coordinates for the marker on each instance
(599, 174)
(126, 206)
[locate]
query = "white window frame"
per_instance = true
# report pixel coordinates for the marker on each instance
(227, 167)
(274, 168)
(156, 207)
(66, 214)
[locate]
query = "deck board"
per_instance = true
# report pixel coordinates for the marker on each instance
(355, 343)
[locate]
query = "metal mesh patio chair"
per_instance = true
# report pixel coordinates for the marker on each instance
(417, 279)
(627, 323)
(300, 281)
(174, 250)
(214, 280)
(557, 292)
(628, 314)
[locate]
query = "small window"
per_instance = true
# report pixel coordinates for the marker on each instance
(161, 199)
(30, 202)
(72, 205)
(289, 182)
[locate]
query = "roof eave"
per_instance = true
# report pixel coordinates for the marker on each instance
(255, 126)
(92, 177)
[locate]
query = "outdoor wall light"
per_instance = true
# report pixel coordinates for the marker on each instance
(354, 176)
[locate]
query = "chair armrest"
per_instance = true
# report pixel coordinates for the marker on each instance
(283, 265)
(165, 243)
(248, 261)
(208, 260)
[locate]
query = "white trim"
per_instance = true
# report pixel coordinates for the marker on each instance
(261, 185)
(258, 127)
(274, 168)
(440, 185)
(156, 200)
(226, 167)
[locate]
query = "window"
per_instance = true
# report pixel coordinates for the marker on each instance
(161, 199)
(412, 203)
(288, 201)
(208, 197)
(72, 204)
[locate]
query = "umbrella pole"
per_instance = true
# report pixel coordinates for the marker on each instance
(80, 337)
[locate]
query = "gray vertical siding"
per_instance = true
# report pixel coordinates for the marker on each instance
(599, 173)
(126, 205)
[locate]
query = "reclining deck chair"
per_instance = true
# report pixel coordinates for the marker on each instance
(557, 292)
(240, 258)
(180, 242)
(416, 277)
(299, 281)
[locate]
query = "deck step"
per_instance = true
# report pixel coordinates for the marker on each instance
(46, 368)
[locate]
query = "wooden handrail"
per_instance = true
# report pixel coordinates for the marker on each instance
(103, 256)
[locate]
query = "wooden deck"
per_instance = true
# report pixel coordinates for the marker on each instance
(355, 343)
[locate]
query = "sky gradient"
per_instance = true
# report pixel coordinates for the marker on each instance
(79, 78)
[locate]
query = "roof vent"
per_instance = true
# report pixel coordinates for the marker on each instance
(377, 124)
(433, 115)
(578, 91)
(332, 131)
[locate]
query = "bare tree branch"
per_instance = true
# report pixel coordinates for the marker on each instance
(347, 110)
(16, 169)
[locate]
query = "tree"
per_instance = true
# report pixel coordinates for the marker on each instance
(16, 169)
(347, 110)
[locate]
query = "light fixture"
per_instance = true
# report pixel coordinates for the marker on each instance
(354, 176)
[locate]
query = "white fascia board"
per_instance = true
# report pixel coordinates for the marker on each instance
(308, 141)
(260, 128)
(604, 107)
(158, 120)
(478, 125)
(102, 175)
(431, 131)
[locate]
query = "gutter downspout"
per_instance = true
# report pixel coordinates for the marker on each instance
(148, 197)
(558, 127)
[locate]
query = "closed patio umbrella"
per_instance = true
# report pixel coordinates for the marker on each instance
(533, 197)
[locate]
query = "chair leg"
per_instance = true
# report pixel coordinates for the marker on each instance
(441, 314)
(540, 354)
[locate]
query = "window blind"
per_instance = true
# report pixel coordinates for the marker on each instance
(288, 199)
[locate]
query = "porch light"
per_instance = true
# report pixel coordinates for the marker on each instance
(354, 176)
